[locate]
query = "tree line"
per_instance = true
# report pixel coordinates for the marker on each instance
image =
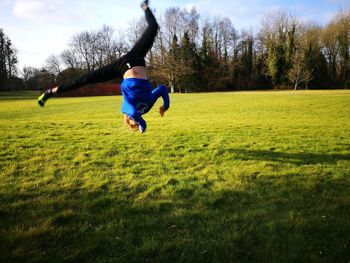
(194, 54)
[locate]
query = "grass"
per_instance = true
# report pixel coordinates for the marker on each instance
(224, 177)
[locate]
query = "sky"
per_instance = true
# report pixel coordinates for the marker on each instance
(40, 28)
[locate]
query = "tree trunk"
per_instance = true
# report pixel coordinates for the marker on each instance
(172, 87)
(295, 87)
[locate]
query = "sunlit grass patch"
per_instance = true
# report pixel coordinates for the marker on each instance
(237, 177)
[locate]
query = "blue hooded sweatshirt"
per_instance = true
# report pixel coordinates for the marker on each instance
(139, 98)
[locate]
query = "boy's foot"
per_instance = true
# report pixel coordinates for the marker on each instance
(144, 4)
(44, 97)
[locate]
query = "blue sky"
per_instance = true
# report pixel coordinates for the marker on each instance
(39, 28)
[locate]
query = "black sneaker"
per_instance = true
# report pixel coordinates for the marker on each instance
(44, 97)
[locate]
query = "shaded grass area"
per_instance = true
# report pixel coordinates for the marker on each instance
(256, 177)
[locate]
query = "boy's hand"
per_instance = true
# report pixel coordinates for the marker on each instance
(162, 110)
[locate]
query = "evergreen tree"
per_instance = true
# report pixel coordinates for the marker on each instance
(209, 65)
(189, 58)
(315, 61)
(8, 61)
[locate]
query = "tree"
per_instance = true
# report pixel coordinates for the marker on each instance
(209, 63)
(247, 55)
(243, 61)
(68, 74)
(8, 61)
(53, 65)
(310, 42)
(70, 59)
(171, 61)
(192, 26)
(299, 72)
(173, 25)
(119, 45)
(83, 44)
(106, 44)
(92, 49)
(189, 59)
(37, 79)
(169, 66)
(330, 50)
(343, 39)
(280, 30)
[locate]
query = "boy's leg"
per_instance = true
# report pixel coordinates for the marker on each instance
(103, 74)
(106, 73)
(144, 44)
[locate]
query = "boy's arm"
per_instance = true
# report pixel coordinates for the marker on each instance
(163, 92)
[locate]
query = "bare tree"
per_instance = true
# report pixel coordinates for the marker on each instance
(53, 65)
(176, 21)
(192, 24)
(299, 71)
(119, 45)
(35, 79)
(134, 31)
(216, 37)
(172, 25)
(70, 59)
(105, 37)
(94, 49)
(228, 35)
(169, 69)
(84, 45)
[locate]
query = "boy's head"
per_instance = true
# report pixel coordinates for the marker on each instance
(131, 123)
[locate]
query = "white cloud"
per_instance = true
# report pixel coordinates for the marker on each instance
(6, 2)
(42, 11)
(35, 10)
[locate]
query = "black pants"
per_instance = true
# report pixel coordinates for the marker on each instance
(135, 57)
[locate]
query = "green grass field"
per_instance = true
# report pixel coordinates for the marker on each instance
(224, 177)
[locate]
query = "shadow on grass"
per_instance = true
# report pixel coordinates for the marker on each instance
(280, 220)
(284, 157)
